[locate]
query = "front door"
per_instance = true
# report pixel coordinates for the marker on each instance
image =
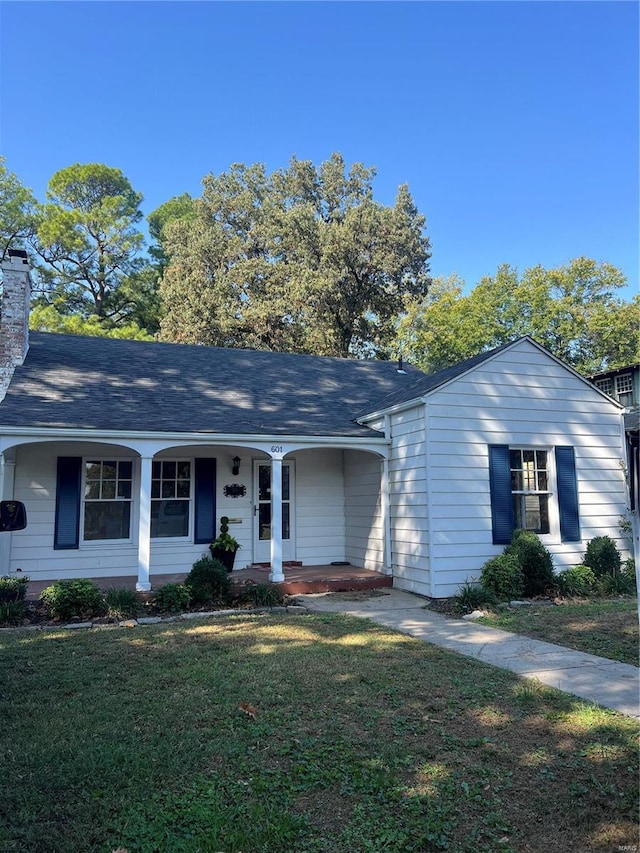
(262, 512)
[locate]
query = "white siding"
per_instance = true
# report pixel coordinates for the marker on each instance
(320, 507)
(363, 514)
(32, 549)
(409, 502)
(520, 398)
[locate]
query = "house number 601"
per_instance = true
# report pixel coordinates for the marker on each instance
(276, 448)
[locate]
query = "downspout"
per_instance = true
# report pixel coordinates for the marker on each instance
(428, 508)
(385, 501)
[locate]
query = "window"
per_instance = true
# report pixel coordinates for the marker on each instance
(533, 489)
(95, 498)
(624, 389)
(170, 498)
(604, 385)
(107, 499)
(530, 489)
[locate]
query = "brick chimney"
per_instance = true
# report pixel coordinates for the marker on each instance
(14, 315)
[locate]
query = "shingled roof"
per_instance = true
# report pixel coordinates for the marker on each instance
(86, 383)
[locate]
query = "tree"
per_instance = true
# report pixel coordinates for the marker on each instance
(17, 211)
(87, 238)
(301, 260)
(178, 207)
(572, 310)
(45, 318)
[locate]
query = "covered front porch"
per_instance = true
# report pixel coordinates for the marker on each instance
(122, 510)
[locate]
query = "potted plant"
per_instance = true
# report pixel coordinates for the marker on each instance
(224, 547)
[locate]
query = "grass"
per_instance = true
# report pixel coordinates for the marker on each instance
(363, 741)
(605, 628)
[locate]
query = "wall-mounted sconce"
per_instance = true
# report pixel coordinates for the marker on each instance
(236, 466)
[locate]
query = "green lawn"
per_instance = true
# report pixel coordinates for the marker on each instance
(605, 628)
(363, 740)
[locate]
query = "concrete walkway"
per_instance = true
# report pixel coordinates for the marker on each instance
(608, 683)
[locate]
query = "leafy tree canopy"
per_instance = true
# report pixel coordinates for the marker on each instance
(45, 318)
(178, 207)
(87, 237)
(573, 310)
(300, 260)
(17, 211)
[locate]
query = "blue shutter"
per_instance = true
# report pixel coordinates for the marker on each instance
(567, 494)
(67, 520)
(502, 521)
(205, 501)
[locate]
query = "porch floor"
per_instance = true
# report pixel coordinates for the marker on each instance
(307, 579)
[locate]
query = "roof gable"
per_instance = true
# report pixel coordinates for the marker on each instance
(426, 384)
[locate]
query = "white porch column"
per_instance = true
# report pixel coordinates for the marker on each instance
(7, 477)
(276, 575)
(144, 526)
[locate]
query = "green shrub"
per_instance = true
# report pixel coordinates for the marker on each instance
(122, 603)
(622, 583)
(262, 595)
(603, 557)
(502, 576)
(12, 612)
(629, 574)
(68, 599)
(208, 582)
(578, 580)
(13, 588)
(535, 561)
(172, 598)
(471, 596)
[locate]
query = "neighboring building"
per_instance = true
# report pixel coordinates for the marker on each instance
(127, 454)
(622, 384)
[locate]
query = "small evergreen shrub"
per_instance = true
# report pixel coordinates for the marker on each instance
(13, 588)
(535, 561)
(603, 557)
(12, 612)
(578, 580)
(503, 577)
(208, 581)
(122, 603)
(471, 597)
(172, 598)
(262, 595)
(70, 599)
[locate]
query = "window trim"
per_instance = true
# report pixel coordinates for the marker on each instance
(133, 501)
(189, 536)
(501, 497)
(551, 491)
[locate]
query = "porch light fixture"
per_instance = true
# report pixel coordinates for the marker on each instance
(236, 466)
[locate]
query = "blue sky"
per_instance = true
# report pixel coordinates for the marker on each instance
(515, 124)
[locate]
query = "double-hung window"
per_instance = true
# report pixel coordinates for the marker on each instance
(170, 498)
(97, 500)
(107, 499)
(533, 489)
(624, 389)
(530, 489)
